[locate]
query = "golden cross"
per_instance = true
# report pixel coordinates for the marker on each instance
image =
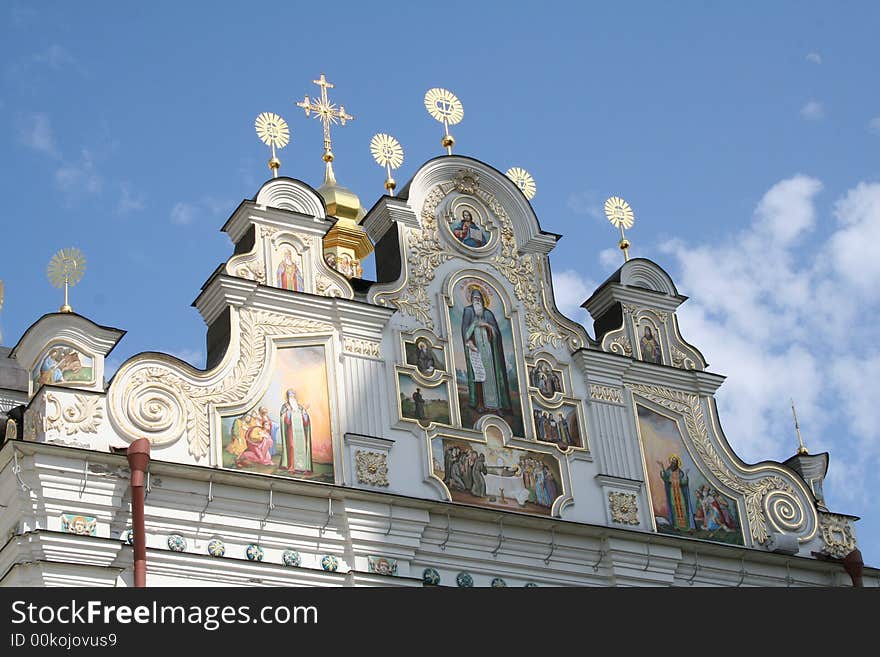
(326, 112)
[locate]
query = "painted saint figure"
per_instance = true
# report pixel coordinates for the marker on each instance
(650, 347)
(467, 231)
(258, 442)
(289, 276)
(678, 500)
(488, 388)
(296, 436)
(419, 402)
(424, 358)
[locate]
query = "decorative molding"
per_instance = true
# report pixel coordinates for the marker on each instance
(83, 416)
(425, 255)
(466, 181)
(680, 359)
(360, 347)
(382, 565)
(11, 430)
(624, 508)
(372, 468)
(606, 394)
(163, 401)
(619, 345)
(838, 539)
(770, 494)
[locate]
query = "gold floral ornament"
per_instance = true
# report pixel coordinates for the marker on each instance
(621, 216)
(523, 179)
(66, 269)
(273, 131)
(444, 107)
(388, 153)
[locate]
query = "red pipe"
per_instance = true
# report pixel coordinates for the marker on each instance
(139, 462)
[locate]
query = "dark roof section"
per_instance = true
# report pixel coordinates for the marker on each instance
(12, 375)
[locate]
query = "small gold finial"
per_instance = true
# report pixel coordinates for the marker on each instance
(444, 107)
(326, 112)
(621, 216)
(273, 131)
(802, 449)
(523, 179)
(388, 153)
(66, 268)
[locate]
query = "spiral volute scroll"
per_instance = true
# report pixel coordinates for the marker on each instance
(785, 512)
(149, 400)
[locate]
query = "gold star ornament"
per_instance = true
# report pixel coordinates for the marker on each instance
(444, 107)
(523, 179)
(388, 153)
(66, 269)
(273, 131)
(621, 216)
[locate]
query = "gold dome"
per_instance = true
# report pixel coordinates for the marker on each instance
(341, 202)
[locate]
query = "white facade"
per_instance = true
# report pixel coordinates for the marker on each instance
(388, 513)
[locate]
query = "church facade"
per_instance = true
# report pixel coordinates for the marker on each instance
(442, 425)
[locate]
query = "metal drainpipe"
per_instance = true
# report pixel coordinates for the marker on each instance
(139, 462)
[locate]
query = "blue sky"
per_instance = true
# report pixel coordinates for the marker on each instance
(746, 138)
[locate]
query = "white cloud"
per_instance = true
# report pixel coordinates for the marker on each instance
(874, 125)
(586, 203)
(570, 290)
(814, 58)
(184, 213)
(54, 56)
(611, 258)
(813, 110)
(784, 317)
(129, 199)
(35, 132)
(80, 176)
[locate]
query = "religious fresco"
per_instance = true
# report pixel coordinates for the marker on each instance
(543, 377)
(685, 503)
(492, 475)
(288, 275)
(468, 227)
(484, 355)
(422, 403)
(287, 432)
(649, 343)
(61, 365)
(426, 358)
(559, 426)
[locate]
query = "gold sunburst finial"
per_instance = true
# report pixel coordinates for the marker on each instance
(66, 269)
(621, 216)
(273, 131)
(388, 153)
(444, 107)
(523, 179)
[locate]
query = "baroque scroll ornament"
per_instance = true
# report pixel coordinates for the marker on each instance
(837, 535)
(770, 494)
(83, 416)
(164, 400)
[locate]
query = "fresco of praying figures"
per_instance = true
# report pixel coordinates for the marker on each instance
(426, 358)
(685, 503)
(421, 403)
(61, 365)
(288, 276)
(287, 432)
(559, 426)
(545, 379)
(649, 344)
(495, 476)
(484, 355)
